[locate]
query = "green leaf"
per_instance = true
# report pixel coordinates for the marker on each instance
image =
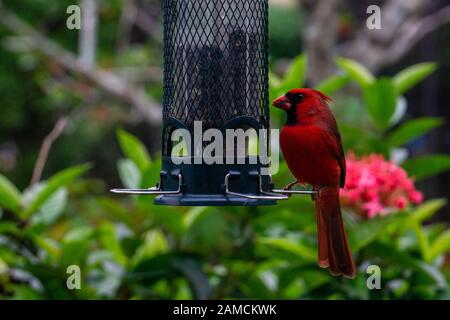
(424, 243)
(59, 180)
(116, 210)
(311, 278)
(274, 81)
(191, 216)
(51, 209)
(168, 266)
(390, 255)
(426, 166)
(110, 241)
(51, 247)
(134, 149)
(425, 211)
(3, 266)
(129, 173)
(363, 234)
(166, 217)
(78, 234)
(381, 101)
(9, 195)
(411, 76)
(399, 287)
(75, 246)
(152, 269)
(434, 274)
(296, 74)
(333, 84)
(400, 111)
(155, 243)
(274, 86)
(9, 227)
(416, 218)
(411, 130)
(356, 71)
(294, 248)
(294, 78)
(198, 280)
(151, 176)
(440, 245)
(207, 230)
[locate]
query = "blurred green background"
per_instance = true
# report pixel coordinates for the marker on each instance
(79, 115)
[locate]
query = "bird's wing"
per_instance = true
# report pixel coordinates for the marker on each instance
(335, 144)
(341, 159)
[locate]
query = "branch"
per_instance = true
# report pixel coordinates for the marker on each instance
(403, 28)
(139, 74)
(320, 38)
(414, 31)
(148, 24)
(134, 16)
(127, 19)
(147, 19)
(88, 33)
(45, 149)
(107, 81)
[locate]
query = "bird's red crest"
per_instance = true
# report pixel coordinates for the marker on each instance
(311, 93)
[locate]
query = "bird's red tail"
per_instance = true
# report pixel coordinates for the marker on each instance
(334, 251)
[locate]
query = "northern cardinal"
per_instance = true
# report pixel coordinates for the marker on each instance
(312, 146)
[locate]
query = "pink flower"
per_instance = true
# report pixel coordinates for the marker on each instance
(416, 197)
(373, 209)
(375, 186)
(401, 203)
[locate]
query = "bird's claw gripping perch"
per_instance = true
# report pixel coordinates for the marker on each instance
(290, 186)
(318, 193)
(316, 196)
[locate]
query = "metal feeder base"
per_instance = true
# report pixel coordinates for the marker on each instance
(204, 185)
(214, 185)
(209, 200)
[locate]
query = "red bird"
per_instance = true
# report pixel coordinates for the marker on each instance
(312, 146)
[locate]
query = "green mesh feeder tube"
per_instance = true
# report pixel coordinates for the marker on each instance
(216, 74)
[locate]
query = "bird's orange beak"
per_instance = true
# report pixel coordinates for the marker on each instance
(282, 102)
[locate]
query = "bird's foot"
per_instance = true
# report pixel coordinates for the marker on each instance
(318, 193)
(290, 186)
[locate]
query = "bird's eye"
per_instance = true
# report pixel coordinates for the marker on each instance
(298, 97)
(295, 97)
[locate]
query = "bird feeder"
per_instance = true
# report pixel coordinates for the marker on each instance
(216, 74)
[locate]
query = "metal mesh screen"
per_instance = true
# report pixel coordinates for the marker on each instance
(216, 56)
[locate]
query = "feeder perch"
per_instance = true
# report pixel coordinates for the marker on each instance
(216, 72)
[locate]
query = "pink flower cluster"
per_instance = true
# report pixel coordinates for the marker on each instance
(375, 186)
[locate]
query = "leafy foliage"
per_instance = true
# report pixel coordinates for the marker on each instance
(381, 100)
(386, 107)
(426, 166)
(294, 78)
(411, 76)
(9, 195)
(411, 130)
(356, 71)
(142, 251)
(127, 248)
